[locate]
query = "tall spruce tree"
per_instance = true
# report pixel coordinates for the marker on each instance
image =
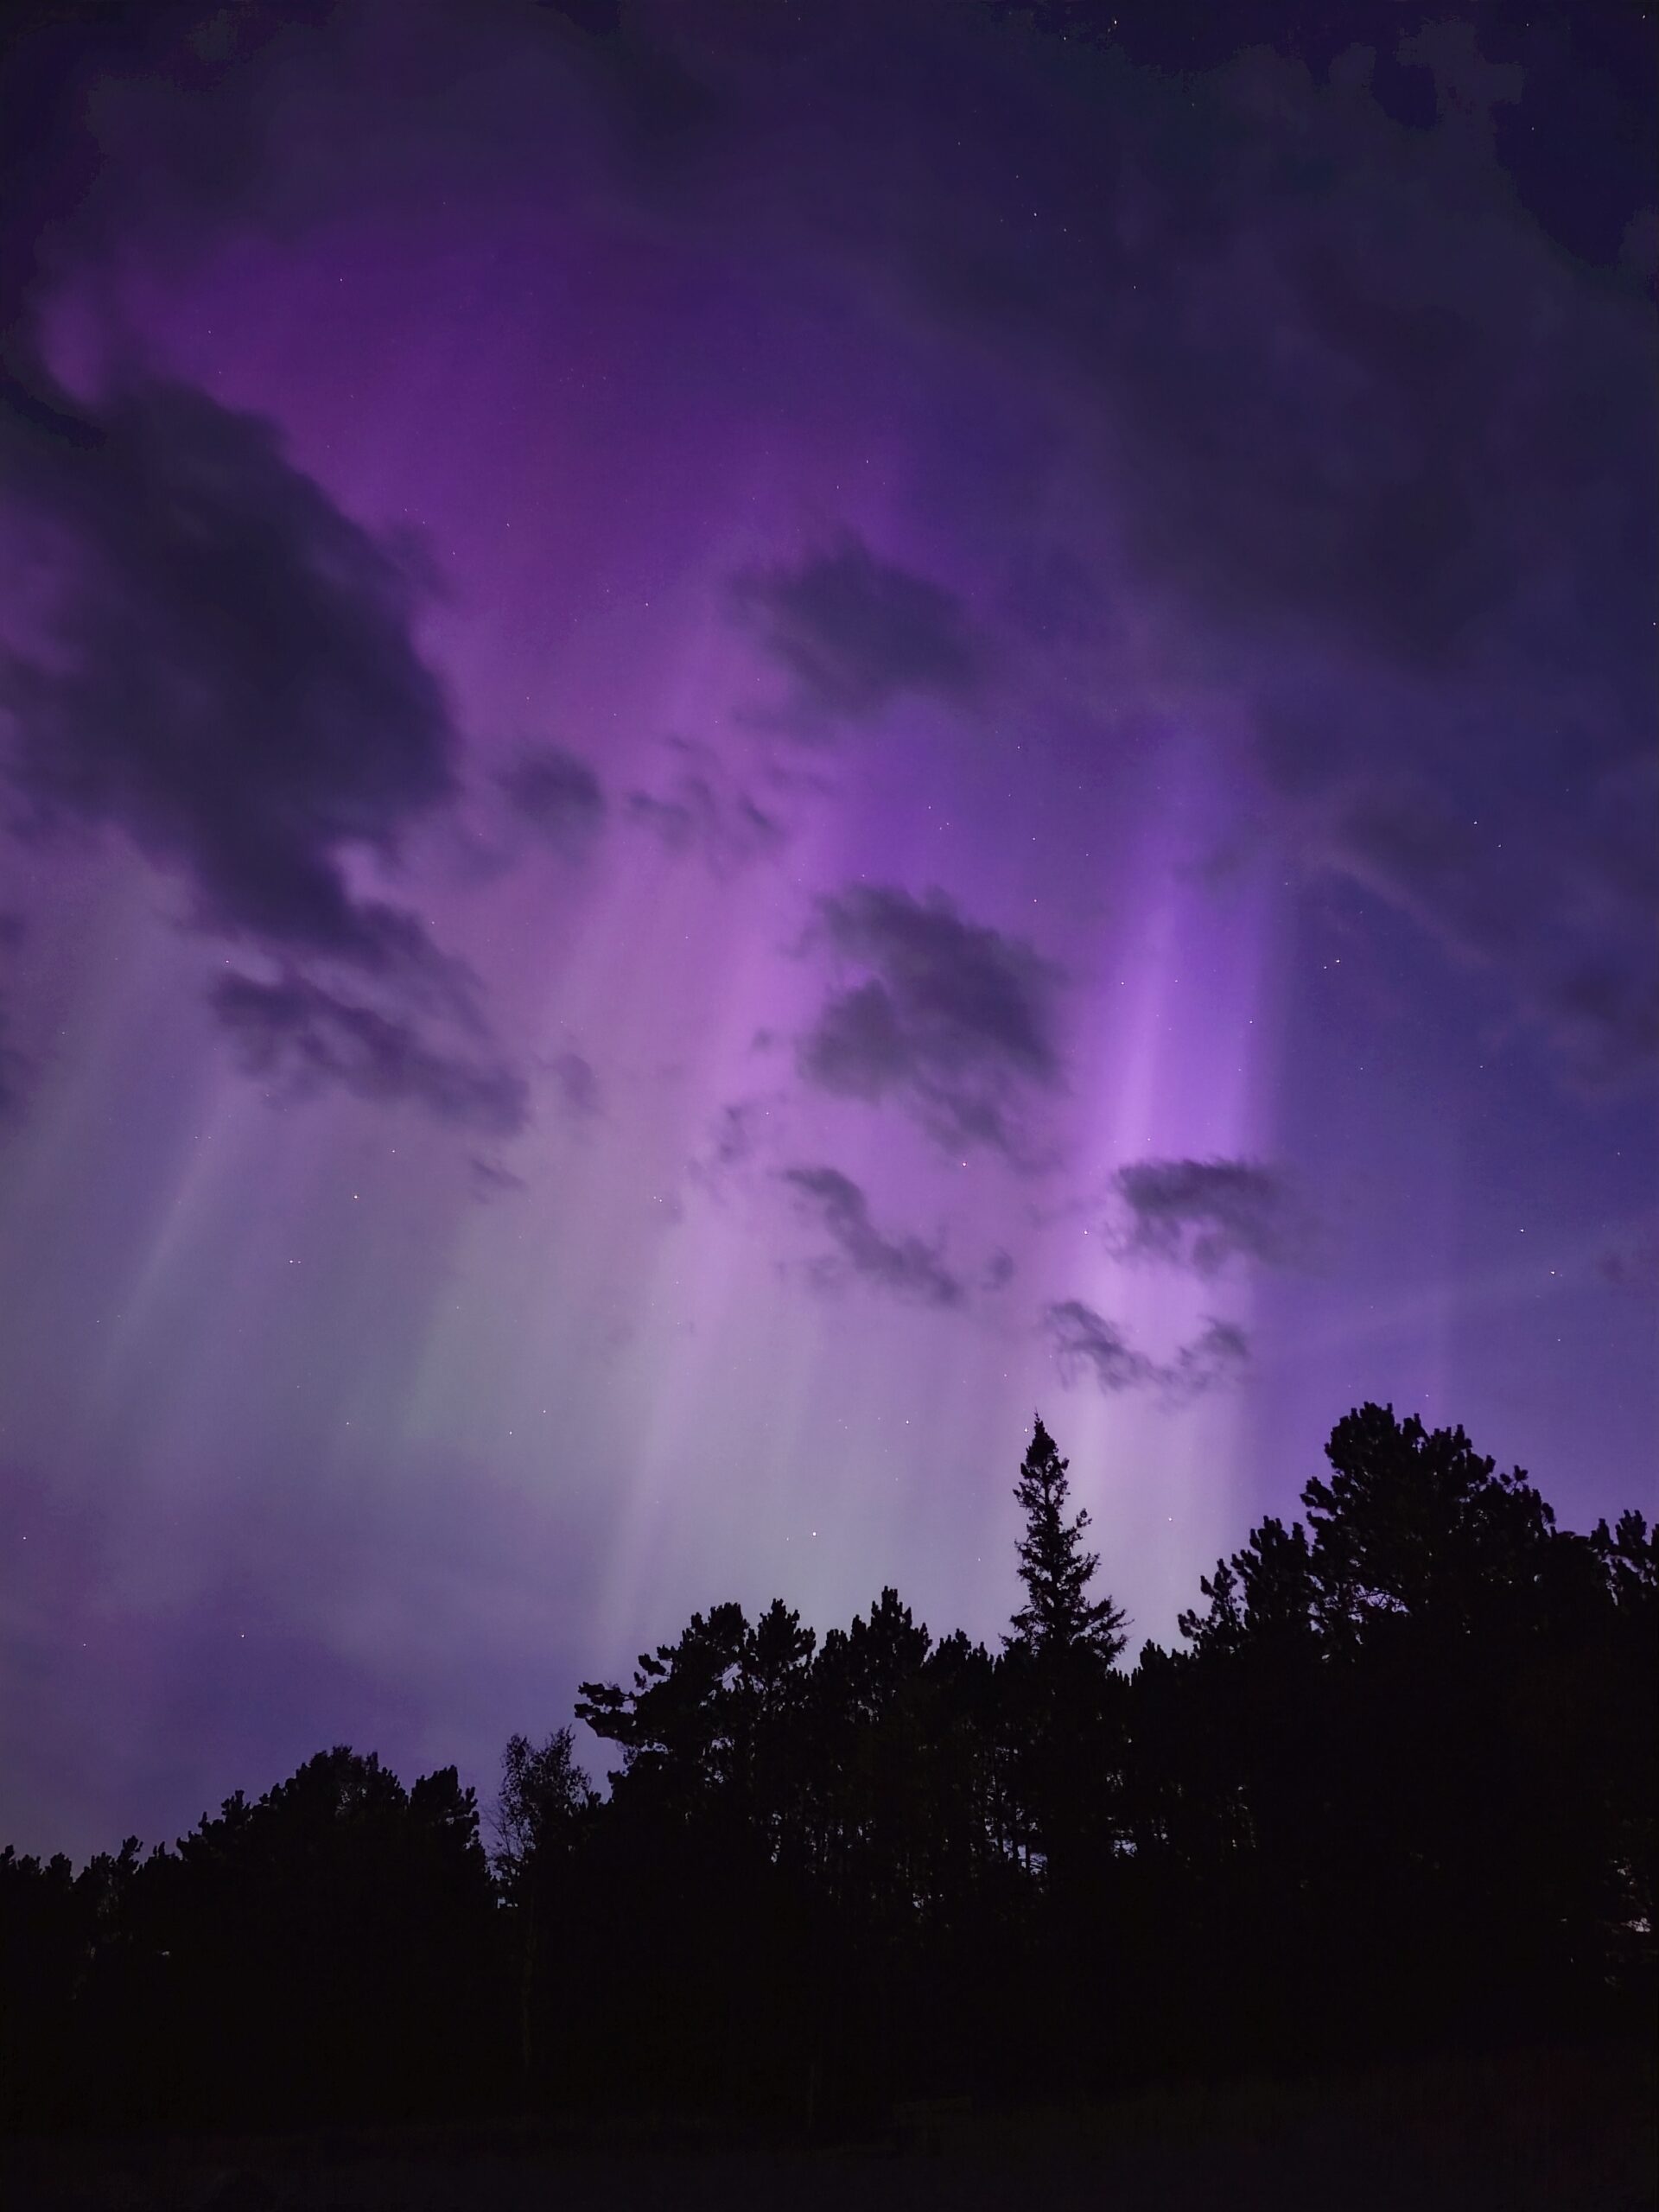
(1058, 1615)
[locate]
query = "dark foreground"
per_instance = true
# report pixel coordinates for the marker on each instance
(1556, 2129)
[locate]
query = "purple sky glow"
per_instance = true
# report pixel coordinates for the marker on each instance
(732, 745)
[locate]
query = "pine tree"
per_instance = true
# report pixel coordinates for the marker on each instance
(1058, 1615)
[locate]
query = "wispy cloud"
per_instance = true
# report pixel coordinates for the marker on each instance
(1202, 1214)
(704, 811)
(577, 1084)
(953, 1020)
(853, 633)
(224, 669)
(559, 795)
(1085, 1341)
(302, 1036)
(904, 1266)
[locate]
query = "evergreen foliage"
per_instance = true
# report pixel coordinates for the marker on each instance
(1058, 1616)
(1399, 1790)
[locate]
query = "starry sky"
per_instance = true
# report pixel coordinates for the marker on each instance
(734, 738)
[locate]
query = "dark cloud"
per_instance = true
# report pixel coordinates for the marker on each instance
(999, 1270)
(954, 1020)
(490, 1179)
(223, 668)
(226, 669)
(702, 811)
(1299, 433)
(1217, 1355)
(578, 1085)
(1085, 1341)
(1202, 1213)
(1396, 497)
(305, 1037)
(220, 664)
(734, 1139)
(1362, 446)
(854, 633)
(906, 1266)
(1365, 438)
(559, 795)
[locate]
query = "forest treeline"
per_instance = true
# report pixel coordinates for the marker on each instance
(1396, 1791)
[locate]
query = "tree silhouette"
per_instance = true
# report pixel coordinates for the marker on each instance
(1058, 1615)
(544, 1797)
(1398, 1790)
(544, 1803)
(1417, 1523)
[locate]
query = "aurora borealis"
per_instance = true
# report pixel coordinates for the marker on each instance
(736, 737)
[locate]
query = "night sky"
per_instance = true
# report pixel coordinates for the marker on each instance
(734, 739)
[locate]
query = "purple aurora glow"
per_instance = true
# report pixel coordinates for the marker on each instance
(734, 741)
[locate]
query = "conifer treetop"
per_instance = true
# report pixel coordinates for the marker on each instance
(1058, 1614)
